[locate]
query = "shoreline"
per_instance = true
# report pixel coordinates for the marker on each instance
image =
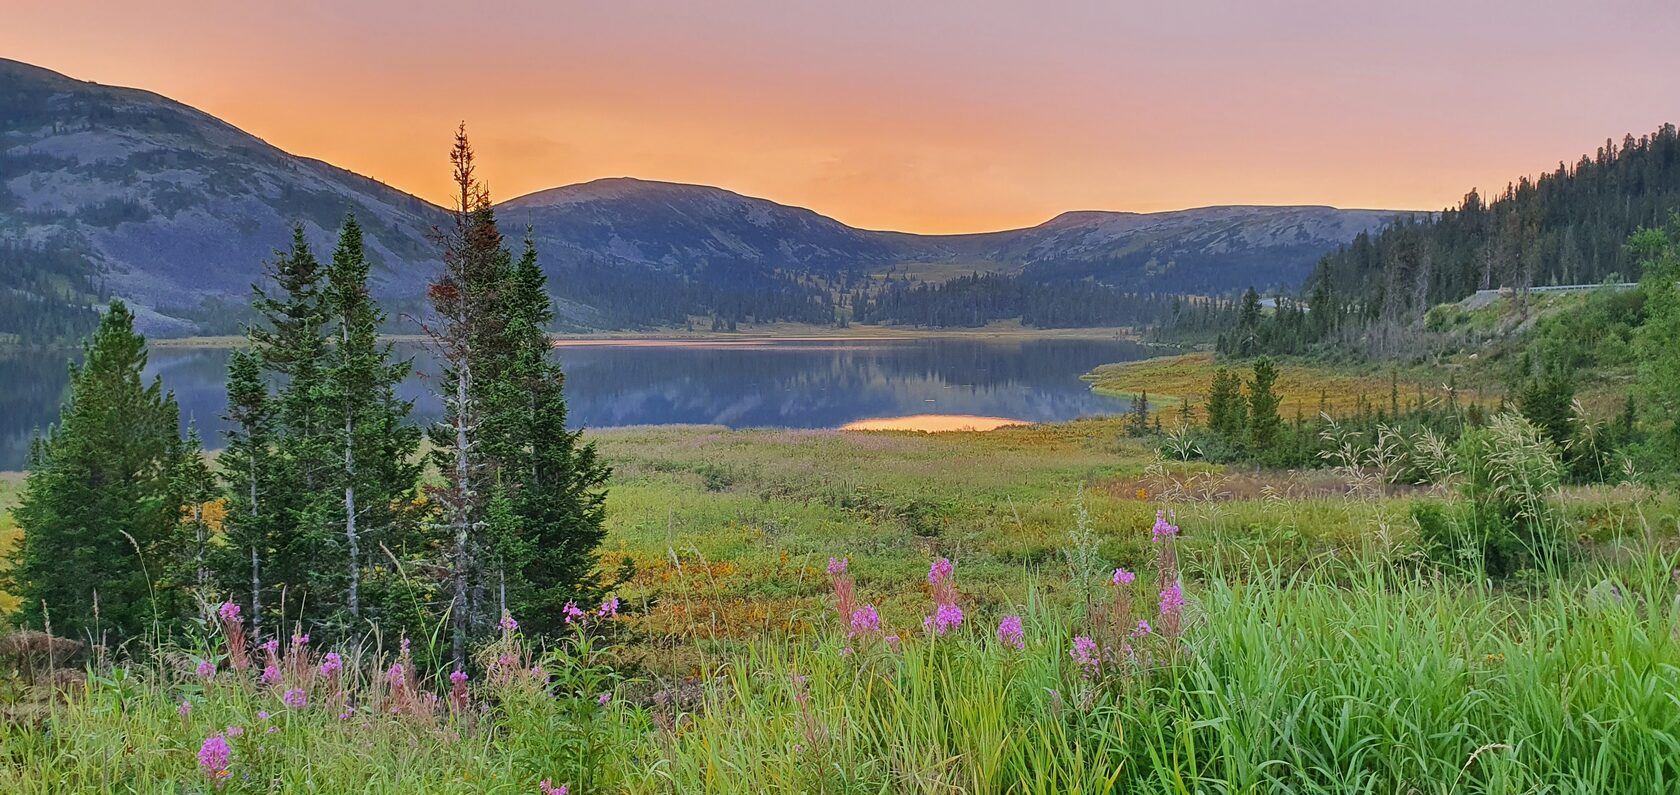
(752, 335)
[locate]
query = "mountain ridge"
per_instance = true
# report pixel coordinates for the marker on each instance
(175, 209)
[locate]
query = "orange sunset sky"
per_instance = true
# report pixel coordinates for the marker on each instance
(913, 115)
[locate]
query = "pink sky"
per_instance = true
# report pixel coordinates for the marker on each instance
(920, 115)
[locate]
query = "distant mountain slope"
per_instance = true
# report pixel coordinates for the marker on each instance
(1209, 249)
(172, 205)
(175, 210)
(692, 227)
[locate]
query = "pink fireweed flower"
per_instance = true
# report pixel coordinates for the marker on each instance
(1142, 628)
(865, 619)
(946, 618)
(458, 690)
(608, 608)
(538, 673)
(300, 640)
(1011, 633)
(214, 757)
(1172, 600)
(836, 566)
(508, 624)
(1162, 530)
(1086, 655)
(185, 709)
(228, 612)
(272, 646)
(940, 571)
(546, 788)
(1123, 577)
(394, 675)
(262, 714)
(604, 699)
(206, 669)
(271, 674)
(235, 731)
(571, 612)
(295, 698)
(331, 664)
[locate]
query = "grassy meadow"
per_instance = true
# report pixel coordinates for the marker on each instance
(1316, 650)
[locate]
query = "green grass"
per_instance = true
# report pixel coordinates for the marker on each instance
(1321, 652)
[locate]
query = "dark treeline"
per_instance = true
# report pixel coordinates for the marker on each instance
(982, 298)
(1568, 226)
(46, 293)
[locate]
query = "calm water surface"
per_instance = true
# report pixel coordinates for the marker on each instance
(740, 384)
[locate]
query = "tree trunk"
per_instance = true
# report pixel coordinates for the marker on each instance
(350, 536)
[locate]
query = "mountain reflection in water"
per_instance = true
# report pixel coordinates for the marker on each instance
(736, 383)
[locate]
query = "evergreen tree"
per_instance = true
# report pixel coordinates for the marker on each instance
(1263, 420)
(248, 473)
(298, 527)
(1226, 413)
(196, 485)
(372, 441)
(558, 503)
(469, 338)
(1248, 324)
(523, 499)
(101, 507)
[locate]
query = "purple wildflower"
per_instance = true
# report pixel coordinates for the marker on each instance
(836, 566)
(1086, 654)
(547, 788)
(214, 757)
(571, 612)
(300, 640)
(228, 612)
(508, 624)
(1162, 530)
(235, 731)
(272, 646)
(206, 669)
(604, 699)
(394, 675)
(1172, 600)
(271, 674)
(331, 664)
(458, 678)
(940, 571)
(1010, 633)
(295, 698)
(185, 709)
(1123, 577)
(262, 714)
(944, 619)
(1142, 628)
(609, 607)
(865, 619)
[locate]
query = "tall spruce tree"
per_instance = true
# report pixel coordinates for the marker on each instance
(523, 499)
(374, 444)
(248, 474)
(101, 507)
(290, 342)
(558, 496)
(467, 337)
(1263, 420)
